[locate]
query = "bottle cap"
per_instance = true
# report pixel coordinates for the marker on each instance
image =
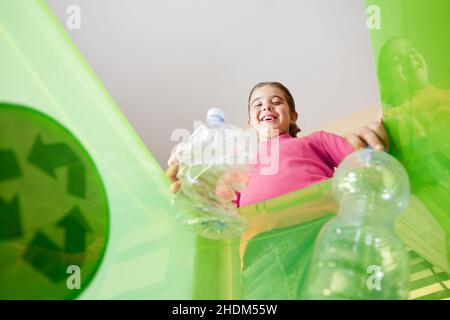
(216, 113)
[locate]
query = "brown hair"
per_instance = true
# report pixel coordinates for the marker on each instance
(293, 128)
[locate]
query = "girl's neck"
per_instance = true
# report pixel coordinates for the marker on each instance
(269, 138)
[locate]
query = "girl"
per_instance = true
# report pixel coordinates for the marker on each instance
(302, 161)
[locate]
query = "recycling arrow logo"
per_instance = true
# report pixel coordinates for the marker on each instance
(46, 256)
(10, 224)
(49, 157)
(53, 207)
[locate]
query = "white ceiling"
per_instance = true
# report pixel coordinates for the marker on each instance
(166, 62)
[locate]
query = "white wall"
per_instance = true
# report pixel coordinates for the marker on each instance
(166, 62)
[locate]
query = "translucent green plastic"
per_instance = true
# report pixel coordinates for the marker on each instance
(411, 51)
(146, 257)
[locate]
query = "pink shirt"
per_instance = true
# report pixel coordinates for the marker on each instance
(301, 162)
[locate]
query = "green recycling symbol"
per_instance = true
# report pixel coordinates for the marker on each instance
(53, 208)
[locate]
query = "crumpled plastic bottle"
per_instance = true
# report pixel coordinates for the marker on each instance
(213, 165)
(358, 255)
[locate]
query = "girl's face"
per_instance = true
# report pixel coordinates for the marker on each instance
(270, 114)
(409, 69)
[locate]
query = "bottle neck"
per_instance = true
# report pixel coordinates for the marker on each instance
(364, 211)
(214, 121)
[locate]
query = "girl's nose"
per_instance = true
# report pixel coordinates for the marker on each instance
(267, 107)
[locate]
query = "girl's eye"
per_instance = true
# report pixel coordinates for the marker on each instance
(257, 105)
(276, 102)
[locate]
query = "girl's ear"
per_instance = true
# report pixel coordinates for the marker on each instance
(294, 117)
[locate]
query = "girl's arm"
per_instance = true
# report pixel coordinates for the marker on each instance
(372, 134)
(337, 148)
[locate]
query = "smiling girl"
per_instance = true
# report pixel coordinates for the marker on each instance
(302, 161)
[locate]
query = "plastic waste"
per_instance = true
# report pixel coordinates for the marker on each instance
(357, 255)
(213, 166)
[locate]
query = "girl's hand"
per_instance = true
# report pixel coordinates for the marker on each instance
(230, 182)
(373, 134)
(171, 173)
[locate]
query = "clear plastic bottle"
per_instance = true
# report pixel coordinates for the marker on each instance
(212, 165)
(358, 255)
